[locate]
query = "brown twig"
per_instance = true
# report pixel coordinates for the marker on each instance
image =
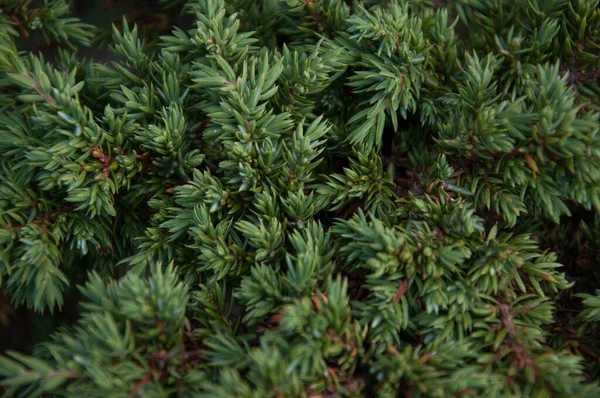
(144, 381)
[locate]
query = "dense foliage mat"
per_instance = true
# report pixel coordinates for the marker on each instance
(306, 198)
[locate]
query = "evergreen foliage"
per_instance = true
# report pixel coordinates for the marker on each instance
(306, 198)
